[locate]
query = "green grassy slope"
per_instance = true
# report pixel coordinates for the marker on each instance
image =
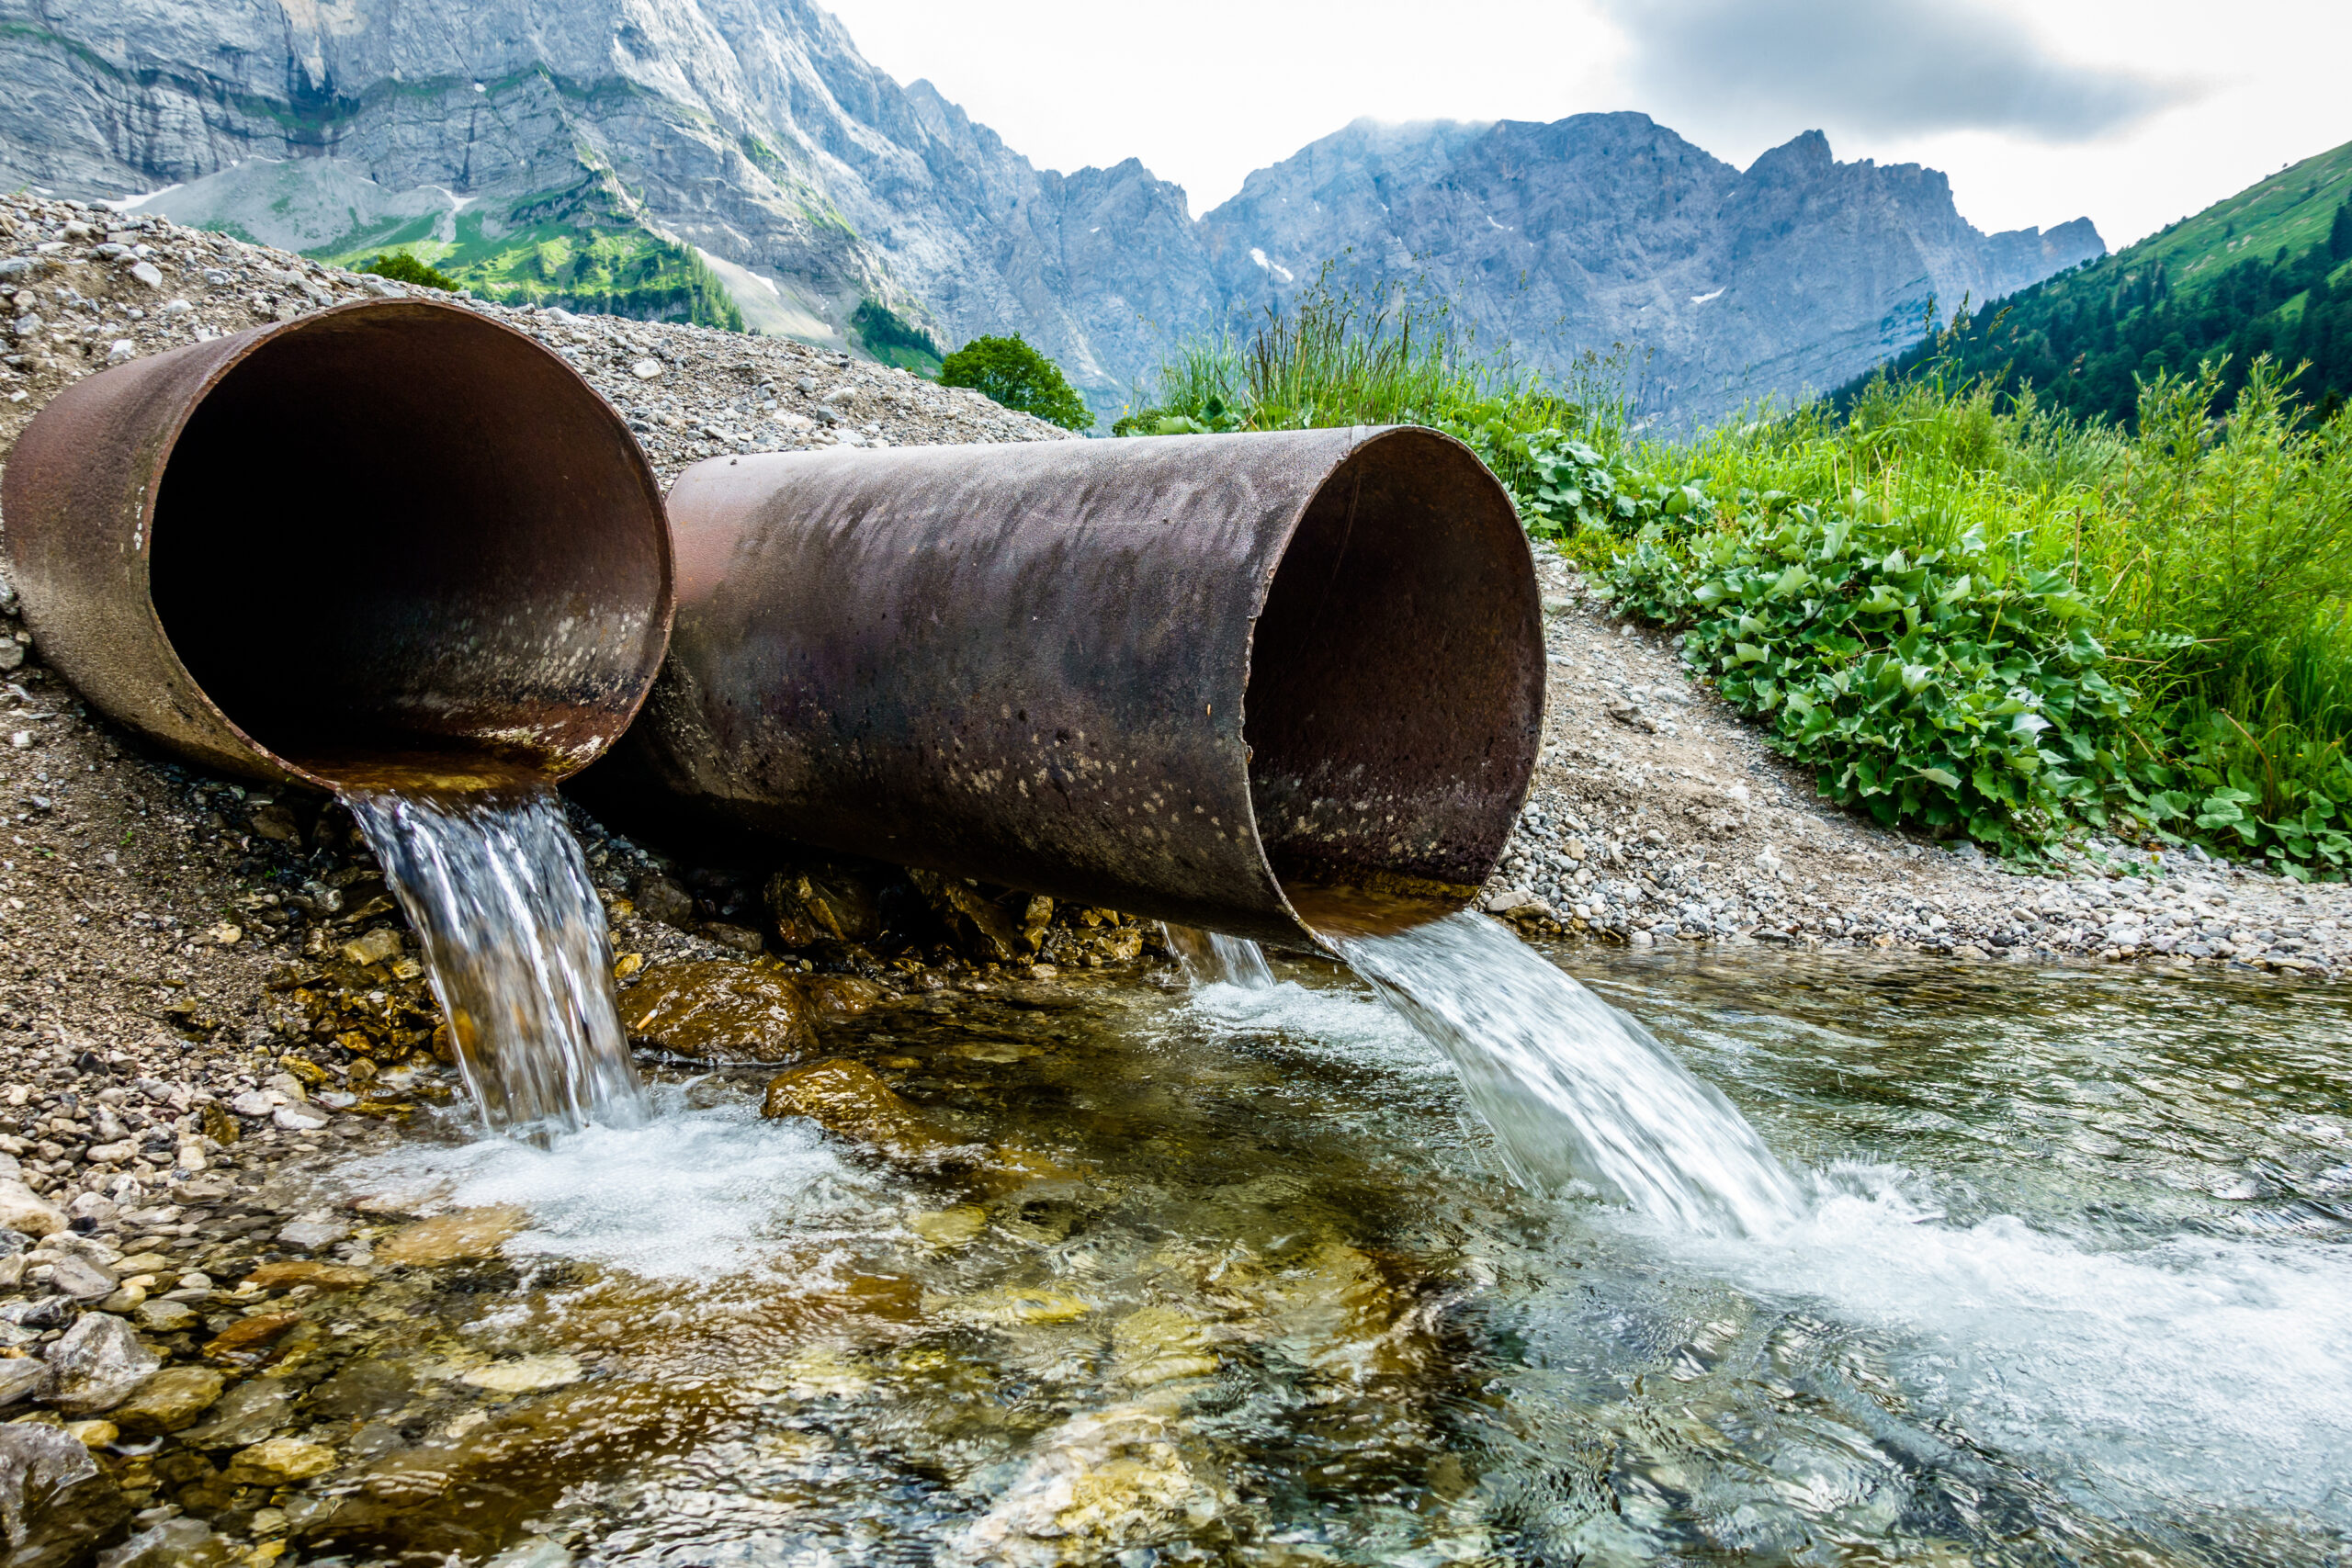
(2292, 208)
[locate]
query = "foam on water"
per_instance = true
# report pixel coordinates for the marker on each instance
(2217, 1373)
(698, 1193)
(514, 942)
(1212, 958)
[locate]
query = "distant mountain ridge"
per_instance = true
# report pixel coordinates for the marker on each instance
(586, 149)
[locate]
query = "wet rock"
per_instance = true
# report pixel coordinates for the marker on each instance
(23, 1209)
(324, 1276)
(1018, 1304)
(174, 1543)
(55, 1504)
(248, 1338)
(717, 1011)
(526, 1375)
(1100, 1484)
(949, 1227)
(981, 928)
(98, 1364)
(300, 1118)
(81, 1279)
(446, 1238)
(850, 1099)
(377, 946)
(839, 995)
(363, 1390)
(164, 1318)
(245, 1414)
(1161, 1344)
(823, 901)
(172, 1399)
(279, 1461)
(308, 1235)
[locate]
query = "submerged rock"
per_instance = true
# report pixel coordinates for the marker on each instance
(246, 1415)
(526, 1375)
(277, 1462)
(1101, 1484)
(55, 1504)
(850, 1099)
(719, 1012)
(446, 1238)
(172, 1399)
(98, 1364)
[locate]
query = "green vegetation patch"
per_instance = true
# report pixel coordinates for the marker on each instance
(892, 339)
(1014, 373)
(402, 267)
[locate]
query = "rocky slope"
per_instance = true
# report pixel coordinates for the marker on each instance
(563, 150)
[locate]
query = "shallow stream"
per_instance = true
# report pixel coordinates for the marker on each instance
(1232, 1275)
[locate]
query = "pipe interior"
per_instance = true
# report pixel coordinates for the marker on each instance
(412, 534)
(1395, 699)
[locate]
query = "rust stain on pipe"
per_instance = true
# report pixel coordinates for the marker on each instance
(391, 526)
(1207, 679)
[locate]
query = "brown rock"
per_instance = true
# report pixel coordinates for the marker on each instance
(276, 1461)
(850, 1099)
(445, 1239)
(325, 1275)
(719, 1012)
(742, 939)
(658, 899)
(374, 948)
(219, 1125)
(823, 901)
(981, 928)
(839, 995)
(169, 1401)
(248, 1338)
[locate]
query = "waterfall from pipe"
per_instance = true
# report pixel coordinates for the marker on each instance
(514, 942)
(1212, 958)
(1575, 1090)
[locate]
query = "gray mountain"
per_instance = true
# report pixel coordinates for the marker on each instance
(668, 157)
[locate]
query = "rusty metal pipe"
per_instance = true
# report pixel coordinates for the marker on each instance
(390, 527)
(1209, 679)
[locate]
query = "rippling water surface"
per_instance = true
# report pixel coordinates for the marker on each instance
(1233, 1275)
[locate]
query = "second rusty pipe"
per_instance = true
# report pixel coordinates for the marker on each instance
(1207, 679)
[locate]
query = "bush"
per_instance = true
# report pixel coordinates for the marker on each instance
(1009, 370)
(402, 267)
(894, 340)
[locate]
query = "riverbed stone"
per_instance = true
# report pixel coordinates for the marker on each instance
(850, 1099)
(446, 1238)
(1100, 1484)
(21, 1377)
(172, 1399)
(717, 1012)
(81, 1279)
(524, 1375)
(98, 1364)
(163, 1316)
(245, 1415)
(982, 928)
(55, 1504)
(279, 1461)
(302, 1272)
(248, 1338)
(823, 901)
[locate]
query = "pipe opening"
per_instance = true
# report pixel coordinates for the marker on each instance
(1395, 698)
(409, 529)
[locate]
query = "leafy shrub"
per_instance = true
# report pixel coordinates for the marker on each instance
(1009, 370)
(401, 267)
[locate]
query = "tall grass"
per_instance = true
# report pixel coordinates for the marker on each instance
(1972, 613)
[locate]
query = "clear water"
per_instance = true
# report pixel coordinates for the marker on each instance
(1224, 1275)
(1212, 958)
(514, 942)
(1576, 1091)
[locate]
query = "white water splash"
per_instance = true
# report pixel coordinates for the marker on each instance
(1574, 1090)
(514, 942)
(1212, 958)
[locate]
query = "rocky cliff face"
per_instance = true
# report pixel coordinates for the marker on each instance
(535, 141)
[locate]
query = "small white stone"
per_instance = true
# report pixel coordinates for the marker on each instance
(145, 272)
(300, 1118)
(646, 369)
(122, 351)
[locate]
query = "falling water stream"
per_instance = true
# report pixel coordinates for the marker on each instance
(514, 943)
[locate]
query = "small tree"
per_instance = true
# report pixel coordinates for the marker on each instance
(1009, 370)
(402, 267)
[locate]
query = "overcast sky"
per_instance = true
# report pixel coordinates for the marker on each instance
(2135, 114)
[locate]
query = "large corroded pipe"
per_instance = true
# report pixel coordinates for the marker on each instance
(1216, 679)
(300, 551)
